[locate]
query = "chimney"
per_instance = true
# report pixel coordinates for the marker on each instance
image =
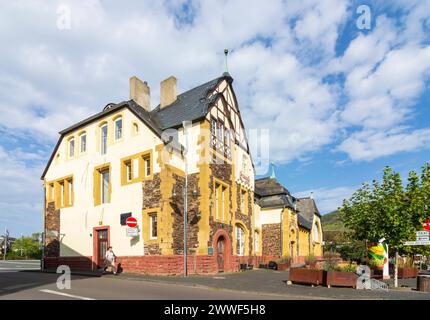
(167, 91)
(140, 93)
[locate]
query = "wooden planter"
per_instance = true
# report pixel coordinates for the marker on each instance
(423, 283)
(341, 279)
(282, 266)
(408, 273)
(306, 276)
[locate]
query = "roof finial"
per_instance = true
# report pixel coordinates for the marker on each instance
(273, 175)
(225, 61)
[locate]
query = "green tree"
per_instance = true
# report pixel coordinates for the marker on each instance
(387, 209)
(26, 247)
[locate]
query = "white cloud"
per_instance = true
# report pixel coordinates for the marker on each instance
(369, 145)
(328, 199)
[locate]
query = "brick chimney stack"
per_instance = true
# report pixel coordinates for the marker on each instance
(167, 91)
(140, 92)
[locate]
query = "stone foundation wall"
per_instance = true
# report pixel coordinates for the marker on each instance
(271, 238)
(52, 228)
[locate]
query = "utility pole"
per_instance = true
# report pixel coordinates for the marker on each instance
(5, 240)
(186, 124)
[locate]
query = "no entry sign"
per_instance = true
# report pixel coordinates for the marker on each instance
(426, 224)
(131, 222)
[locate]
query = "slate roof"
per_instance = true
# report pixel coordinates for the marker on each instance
(271, 194)
(190, 105)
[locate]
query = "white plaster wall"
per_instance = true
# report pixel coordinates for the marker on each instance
(77, 222)
(269, 216)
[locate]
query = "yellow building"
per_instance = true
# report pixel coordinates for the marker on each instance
(289, 226)
(132, 160)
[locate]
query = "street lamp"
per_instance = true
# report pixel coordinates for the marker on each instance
(186, 125)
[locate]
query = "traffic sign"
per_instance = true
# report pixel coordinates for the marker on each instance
(426, 224)
(132, 232)
(416, 243)
(131, 222)
(422, 233)
(422, 239)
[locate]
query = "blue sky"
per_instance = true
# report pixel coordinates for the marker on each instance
(340, 102)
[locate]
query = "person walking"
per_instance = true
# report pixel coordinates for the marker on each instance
(109, 260)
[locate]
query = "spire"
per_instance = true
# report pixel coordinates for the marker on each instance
(225, 63)
(273, 175)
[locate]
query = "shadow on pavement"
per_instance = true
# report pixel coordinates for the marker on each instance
(16, 281)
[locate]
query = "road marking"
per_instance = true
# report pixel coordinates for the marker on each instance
(65, 294)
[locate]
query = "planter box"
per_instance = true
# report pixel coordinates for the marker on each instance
(283, 266)
(408, 273)
(306, 276)
(341, 279)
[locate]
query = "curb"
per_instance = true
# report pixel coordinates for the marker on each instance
(76, 272)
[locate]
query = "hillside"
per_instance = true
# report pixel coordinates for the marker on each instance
(331, 222)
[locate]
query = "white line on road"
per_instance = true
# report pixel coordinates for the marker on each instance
(65, 294)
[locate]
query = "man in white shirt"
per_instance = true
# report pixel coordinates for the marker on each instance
(109, 260)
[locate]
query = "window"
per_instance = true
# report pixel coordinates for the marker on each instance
(315, 233)
(104, 175)
(83, 142)
(147, 163)
(135, 128)
(102, 184)
(118, 128)
(153, 226)
(69, 192)
(128, 170)
(103, 138)
(240, 241)
(220, 137)
(72, 147)
(213, 133)
(256, 241)
(221, 202)
(242, 201)
(62, 194)
(227, 142)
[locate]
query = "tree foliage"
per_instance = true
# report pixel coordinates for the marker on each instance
(389, 209)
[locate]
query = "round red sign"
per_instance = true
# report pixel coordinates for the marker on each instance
(131, 222)
(426, 224)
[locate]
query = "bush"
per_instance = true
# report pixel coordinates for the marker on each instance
(309, 259)
(284, 259)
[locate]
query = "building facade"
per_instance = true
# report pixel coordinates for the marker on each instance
(131, 160)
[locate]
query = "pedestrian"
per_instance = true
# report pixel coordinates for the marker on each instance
(109, 260)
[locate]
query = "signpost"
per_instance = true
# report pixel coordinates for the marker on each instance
(132, 232)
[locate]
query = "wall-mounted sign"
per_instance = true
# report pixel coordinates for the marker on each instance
(132, 232)
(131, 222)
(123, 218)
(416, 243)
(422, 233)
(244, 178)
(210, 251)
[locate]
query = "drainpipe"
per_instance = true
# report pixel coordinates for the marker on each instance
(186, 124)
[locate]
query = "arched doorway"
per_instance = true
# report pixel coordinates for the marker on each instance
(222, 250)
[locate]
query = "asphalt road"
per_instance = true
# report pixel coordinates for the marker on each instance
(42, 286)
(17, 265)
(23, 280)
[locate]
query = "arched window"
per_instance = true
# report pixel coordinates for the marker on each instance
(72, 147)
(135, 128)
(256, 241)
(83, 142)
(118, 128)
(103, 138)
(315, 233)
(240, 241)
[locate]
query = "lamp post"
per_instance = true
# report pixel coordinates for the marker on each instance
(186, 124)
